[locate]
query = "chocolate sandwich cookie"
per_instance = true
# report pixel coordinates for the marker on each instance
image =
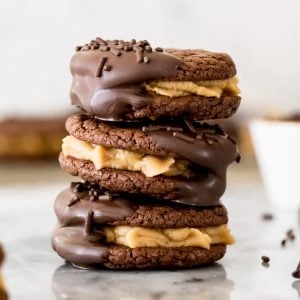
(182, 162)
(31, 138)
(97, 228)
(118, 80)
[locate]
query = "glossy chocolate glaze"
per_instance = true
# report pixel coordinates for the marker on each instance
(109, 95)
(208, 148)
(71, 239)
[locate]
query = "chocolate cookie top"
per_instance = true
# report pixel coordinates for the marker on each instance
(108, 76)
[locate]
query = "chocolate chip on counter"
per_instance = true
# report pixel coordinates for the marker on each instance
(296, 273)
(290, 235)
(265, 259)
(283, 243)
(267, 216)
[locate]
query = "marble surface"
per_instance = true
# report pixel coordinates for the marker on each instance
(33, 271)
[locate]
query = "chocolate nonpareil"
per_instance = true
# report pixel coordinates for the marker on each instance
(182, 162)
(119, 80)
(118, 232)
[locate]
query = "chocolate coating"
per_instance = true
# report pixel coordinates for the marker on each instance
(119, 90)
(69, 238)
(209, 183)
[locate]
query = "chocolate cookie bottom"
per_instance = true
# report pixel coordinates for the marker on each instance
(122, 257)
(194, 107)
(163, 187)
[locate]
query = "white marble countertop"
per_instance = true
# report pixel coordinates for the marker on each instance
(33, 271)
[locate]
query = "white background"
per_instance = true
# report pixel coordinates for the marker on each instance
(38, 38)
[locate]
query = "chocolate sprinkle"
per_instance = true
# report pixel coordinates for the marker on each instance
(92, 198)
(139, 54)
(100, 66)
(146, 59)
(78, 187)
(172, 128)
(238, 158)
(73, 201)
(199, 136)
(190, 125)
(101, 41)
(106, 197)
(232, 139)
(183, 137)
(107, 68)
(115, 52)
(88, 224)
(209, 137)
(104, 48)
(150, 128)
(283, 243)
(116, 46)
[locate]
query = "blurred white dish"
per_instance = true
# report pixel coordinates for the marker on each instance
(277, 147)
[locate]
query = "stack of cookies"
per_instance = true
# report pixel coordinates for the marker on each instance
(153, 172)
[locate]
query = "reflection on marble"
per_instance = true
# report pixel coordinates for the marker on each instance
(296, 286)
(205, 283)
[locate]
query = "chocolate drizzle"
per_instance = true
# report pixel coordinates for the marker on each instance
(109, 95)
(77, 238)
(210, 149)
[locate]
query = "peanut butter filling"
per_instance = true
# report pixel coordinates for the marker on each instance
(103, 157)
(134, 237)
(209, 88)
